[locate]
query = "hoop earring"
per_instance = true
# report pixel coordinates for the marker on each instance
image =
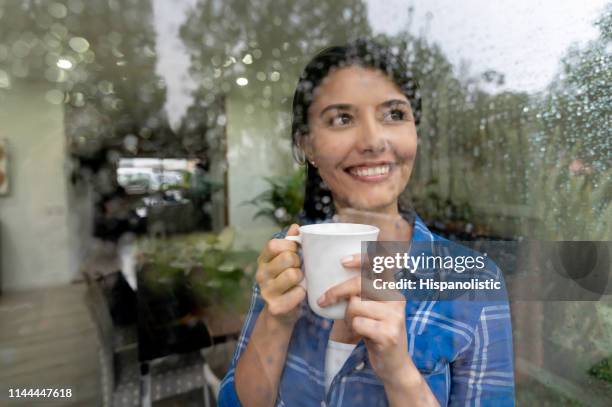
(300, 156)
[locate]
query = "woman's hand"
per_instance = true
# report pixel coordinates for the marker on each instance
(260, 366)
(278, 275)
(381, 323)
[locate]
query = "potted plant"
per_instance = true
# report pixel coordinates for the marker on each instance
(202, 264)
(283, 200)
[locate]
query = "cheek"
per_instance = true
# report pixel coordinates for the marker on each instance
(406, 149)
(329, 152)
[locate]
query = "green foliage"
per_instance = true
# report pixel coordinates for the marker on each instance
(514, 150)
(570, 175)
(571, 201)
(602, 370)
(279, 36)
(532, 393)
(205, 262)
(283, 201)
(579, 103)
(184, 183)
(101, 41)
(430, 204)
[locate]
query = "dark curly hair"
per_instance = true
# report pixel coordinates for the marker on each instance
(367, 53)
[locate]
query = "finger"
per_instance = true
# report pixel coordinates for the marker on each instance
(379, 311)
(293, 230)
(295, 295)
(286, 303)
(275, 246)
(286, 280)
(349, 314)
(371, 329)
(282, 261)
(381, 333)
(373, 309)
(341, 291)
(368, 328)
(352, 261)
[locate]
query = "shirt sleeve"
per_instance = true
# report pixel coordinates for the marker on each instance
(483, 374)
(228, 397)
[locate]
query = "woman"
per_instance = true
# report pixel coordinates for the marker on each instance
(355, 113)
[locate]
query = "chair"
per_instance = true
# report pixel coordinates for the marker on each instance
(125, 381)
(162, 302)
(103, 291)
(114, 360)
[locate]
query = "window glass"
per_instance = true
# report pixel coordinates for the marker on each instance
(159, 133)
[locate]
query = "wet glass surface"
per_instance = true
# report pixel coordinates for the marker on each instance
(154, 135)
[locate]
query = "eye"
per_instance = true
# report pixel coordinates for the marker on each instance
(396, 115)
(340, 120)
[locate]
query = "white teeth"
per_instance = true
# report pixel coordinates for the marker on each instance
(370, 171)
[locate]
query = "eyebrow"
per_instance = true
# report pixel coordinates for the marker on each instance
(394, 102)
(346, 106)
(337, 106)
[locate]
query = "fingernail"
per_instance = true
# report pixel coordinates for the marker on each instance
(346, 259)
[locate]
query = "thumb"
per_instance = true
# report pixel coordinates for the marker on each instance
(294, 230)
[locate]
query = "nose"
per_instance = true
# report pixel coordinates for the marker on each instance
(371, 138)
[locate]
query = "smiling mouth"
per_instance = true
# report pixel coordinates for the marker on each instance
(372, 173)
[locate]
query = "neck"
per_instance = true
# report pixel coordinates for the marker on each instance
(387, 210)
(393, 227)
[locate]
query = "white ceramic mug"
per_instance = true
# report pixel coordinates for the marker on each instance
(323, 247)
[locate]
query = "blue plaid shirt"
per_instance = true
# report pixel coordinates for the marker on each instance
(463, 349)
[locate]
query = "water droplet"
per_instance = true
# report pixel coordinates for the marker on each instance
(105, 87)
(64, 63)
(78, 99)
(280, 213)
(57, 10)
(76, 6)
(130, 142)
(5, 80)
(79, 44)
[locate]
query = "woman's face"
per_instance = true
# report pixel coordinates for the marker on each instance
(362, 138)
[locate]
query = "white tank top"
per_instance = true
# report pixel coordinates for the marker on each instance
(337, 353)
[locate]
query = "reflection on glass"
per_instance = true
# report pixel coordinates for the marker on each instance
(163, 119)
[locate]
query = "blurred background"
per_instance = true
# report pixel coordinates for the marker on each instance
(145, 159)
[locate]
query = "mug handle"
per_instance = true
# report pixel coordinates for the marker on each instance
(298, 240)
